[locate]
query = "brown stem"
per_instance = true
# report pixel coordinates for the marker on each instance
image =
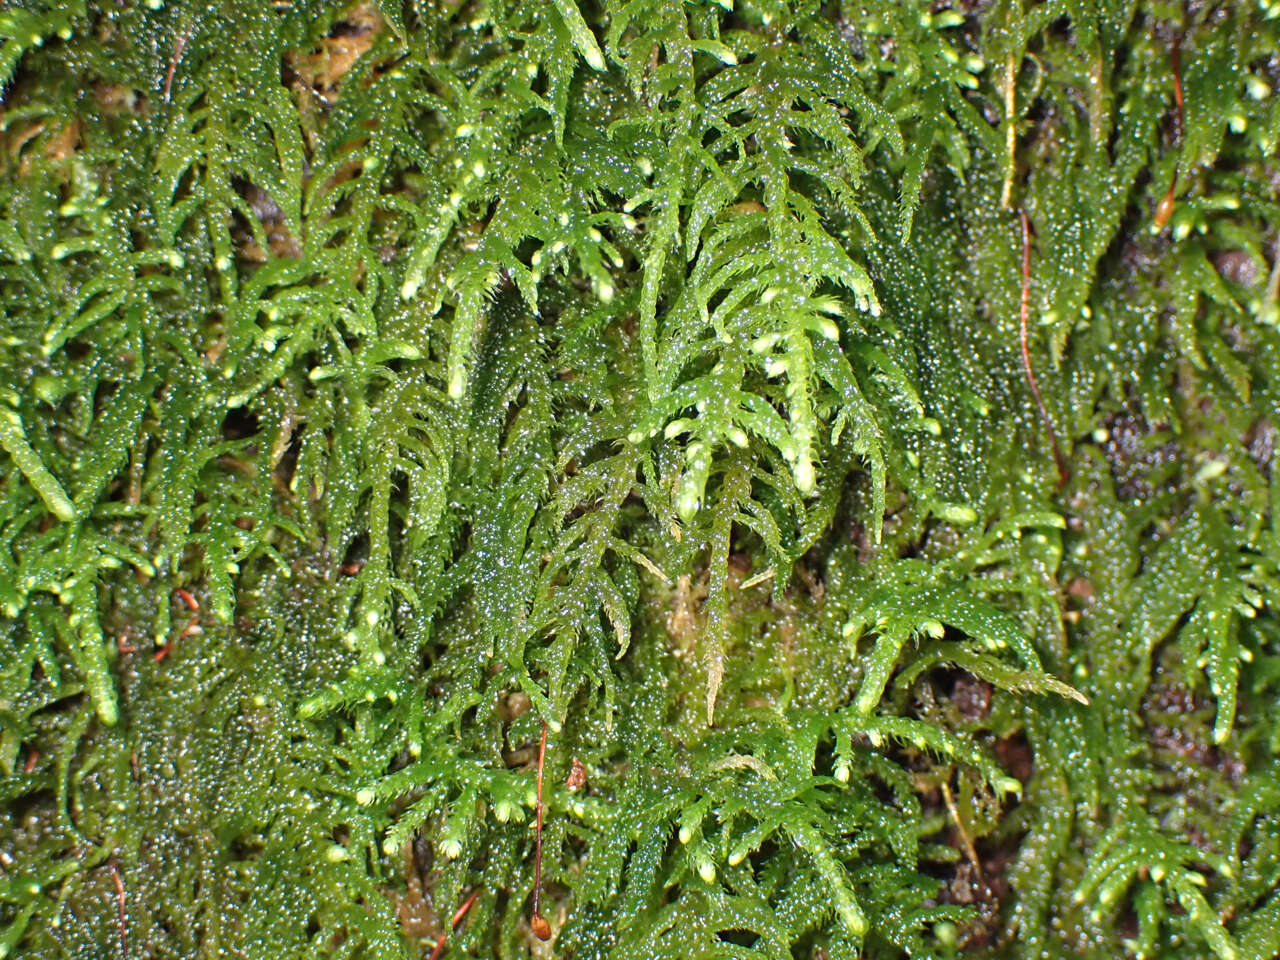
(965, 840)
(1175, 61)
(1164, 210)
(124, 941)
(541, 929)
(178, 47)
(1063, 473)
(461, 912)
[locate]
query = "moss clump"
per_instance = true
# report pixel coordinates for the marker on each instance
(387, 387)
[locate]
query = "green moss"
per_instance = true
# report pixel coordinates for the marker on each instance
(383, 383)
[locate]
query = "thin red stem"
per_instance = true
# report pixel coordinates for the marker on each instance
(462, 910)
(453, 924)
(178, 47)
(124, 942)
(541, 929)
(1175, 61)
(1164, 210)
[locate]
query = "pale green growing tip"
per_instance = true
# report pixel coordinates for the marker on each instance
(451, 849)
(1008, 785)
(457, 385)
(806, 479)
(337, 852)
(961, 515)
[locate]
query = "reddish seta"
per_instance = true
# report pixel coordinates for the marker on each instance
(537, 922)
(123, 916)
(458, 915)
(1164, 209)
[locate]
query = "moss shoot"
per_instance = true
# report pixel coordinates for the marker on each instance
(640, 479)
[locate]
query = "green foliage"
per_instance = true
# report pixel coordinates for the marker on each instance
(387, 384)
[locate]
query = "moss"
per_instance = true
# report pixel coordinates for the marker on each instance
(389, 387)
